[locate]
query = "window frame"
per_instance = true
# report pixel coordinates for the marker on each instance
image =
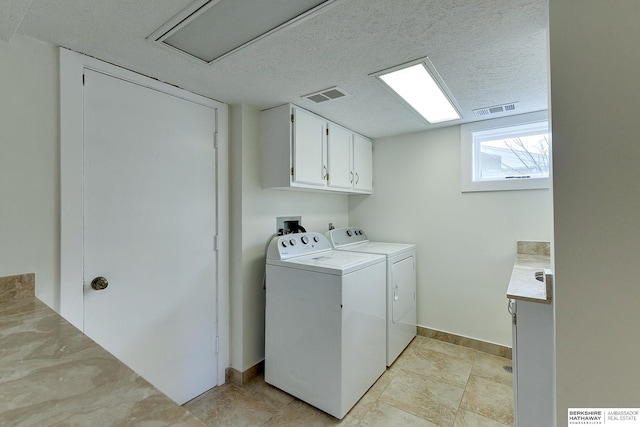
(469, 162)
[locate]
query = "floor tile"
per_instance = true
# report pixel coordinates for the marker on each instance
(397, 365)
(448, 349)
(452, 369)
(383, 415)
(229, 406)
(492, 367)
(298, 413)
(366, 402)
(424, 397)
(469, 419)
(431, 384)
(489, 399)
(267, 393)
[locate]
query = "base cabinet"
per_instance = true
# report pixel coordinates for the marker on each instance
(533, 383)
(302, 150)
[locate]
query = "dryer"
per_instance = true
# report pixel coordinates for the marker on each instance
(325, 333)
(400, 278)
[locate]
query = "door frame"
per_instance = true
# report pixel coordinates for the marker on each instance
(72, 66)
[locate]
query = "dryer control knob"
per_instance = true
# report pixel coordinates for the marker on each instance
(349, 233)
(284, 244)
(292, 242)
(315, 239)
(304, 240)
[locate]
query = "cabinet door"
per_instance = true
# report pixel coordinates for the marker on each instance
(340, 159)
(533, 353)
(362, 164)
(309, 148)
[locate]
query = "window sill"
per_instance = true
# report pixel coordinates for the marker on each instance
(506, 185)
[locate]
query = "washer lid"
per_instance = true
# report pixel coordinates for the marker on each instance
(333, 262)
(388, 249)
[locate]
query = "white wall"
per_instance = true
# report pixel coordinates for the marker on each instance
(595, 105)
(466, 243)
(29, 164)
(253, 212)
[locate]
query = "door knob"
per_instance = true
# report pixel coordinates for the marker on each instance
(99, 283)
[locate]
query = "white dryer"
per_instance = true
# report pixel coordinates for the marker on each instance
(400, 278)
(325, 321)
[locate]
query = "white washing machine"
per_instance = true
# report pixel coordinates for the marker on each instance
(325, 321)
(400, 278)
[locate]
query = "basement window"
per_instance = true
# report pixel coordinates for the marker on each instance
(509, 153)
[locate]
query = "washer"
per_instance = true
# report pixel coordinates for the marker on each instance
(325, 321)
(400, 278)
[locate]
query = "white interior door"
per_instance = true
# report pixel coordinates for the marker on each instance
(149, 228)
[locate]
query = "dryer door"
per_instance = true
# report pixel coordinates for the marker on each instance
(403, 291)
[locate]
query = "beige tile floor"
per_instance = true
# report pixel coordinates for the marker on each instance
(432, 383)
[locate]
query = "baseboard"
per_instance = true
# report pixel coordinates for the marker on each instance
(239, 378)
(17, 287)
(485, 347)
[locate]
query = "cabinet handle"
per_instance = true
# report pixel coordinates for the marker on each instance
(357, 178)
(511, 308)
(351, 172)
(325, 175)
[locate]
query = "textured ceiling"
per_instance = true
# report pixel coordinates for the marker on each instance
(488, 52)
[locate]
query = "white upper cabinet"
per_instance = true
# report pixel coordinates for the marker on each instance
(362, 164)
(340, 157)
(309, 148)
(305, 151)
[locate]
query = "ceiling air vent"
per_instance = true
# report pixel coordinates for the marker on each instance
(504, 108)
(326, 95)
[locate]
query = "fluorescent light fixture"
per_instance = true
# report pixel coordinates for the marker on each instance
(419, 85)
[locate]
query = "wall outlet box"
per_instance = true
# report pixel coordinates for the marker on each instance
(287, 224)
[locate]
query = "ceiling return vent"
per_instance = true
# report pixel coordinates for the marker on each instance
(497, 109)
(326, 95)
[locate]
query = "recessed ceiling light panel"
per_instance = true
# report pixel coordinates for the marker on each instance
(419, 85)
(213, 29)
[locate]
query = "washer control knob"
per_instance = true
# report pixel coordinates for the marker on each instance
(315, 239)
(304, 240)
(349, 233)
(292, 242)
(284, 243)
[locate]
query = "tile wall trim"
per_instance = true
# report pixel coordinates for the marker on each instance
(17, 287)
(526, 247)
(485, 347)
(239, 378)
